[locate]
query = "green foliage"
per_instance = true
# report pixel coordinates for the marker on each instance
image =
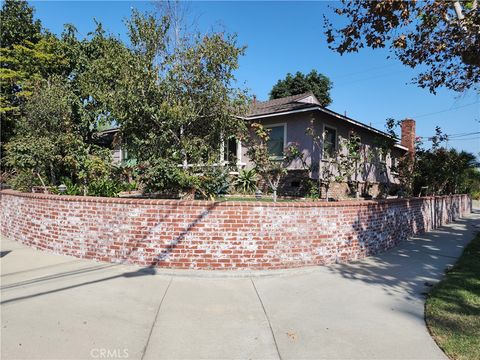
(161, 176)
(18, 24)
(444, 171)
(213, 182)
(173, 104)
(72, 188)
(26, 56)
(269, 168)
(49, 142)
(23, 180)
(435, 36)
(349, 161)
(246, 181)
(472, 183)
(327, 167)
(172, 108)
(312, 189)
(104, 187)
(300, 83)
(437, 170)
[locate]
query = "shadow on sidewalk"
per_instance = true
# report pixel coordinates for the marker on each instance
(410, 269)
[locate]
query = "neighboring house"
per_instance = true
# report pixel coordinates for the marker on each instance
(288, 120)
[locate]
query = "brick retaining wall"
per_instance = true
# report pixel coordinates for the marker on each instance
(219, 235)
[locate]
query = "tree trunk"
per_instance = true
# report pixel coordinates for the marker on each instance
(274, 195)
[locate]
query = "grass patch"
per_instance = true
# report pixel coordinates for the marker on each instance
(452, 309)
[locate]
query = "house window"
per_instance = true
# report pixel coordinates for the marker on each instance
(230, 151)
(276, 141)
(330, 142)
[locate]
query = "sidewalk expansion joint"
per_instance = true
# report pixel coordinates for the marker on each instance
(155, 319)
(268, 319)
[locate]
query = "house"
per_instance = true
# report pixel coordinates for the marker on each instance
(288, 120)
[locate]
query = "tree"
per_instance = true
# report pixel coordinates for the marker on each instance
(173, 107)
(49, 146)
(53, 100)
(299, 83)
(270, 169)
(349, 161)
(441, 37)
(19, 35)
(443, 171)
(23, 65)
(341, 164)
(18, 24)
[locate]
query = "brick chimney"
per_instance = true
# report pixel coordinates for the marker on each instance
(408, 135)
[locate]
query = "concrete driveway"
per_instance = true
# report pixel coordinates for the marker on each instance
(56, 307)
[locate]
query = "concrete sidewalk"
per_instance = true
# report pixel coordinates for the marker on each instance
(56, 307)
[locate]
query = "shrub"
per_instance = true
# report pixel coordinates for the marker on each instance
(72, 188)
(23, 180)
(475, 195)
(246, 181)
(213, 182)
(158, 175)
(104, 187)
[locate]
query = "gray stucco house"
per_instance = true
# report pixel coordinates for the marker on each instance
(288, 119)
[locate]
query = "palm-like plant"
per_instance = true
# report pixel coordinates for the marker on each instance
(246, 181)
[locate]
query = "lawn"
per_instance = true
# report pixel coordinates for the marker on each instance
(453, 307)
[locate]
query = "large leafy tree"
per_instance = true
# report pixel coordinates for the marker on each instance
(442, 171)
(23, 65)
(49, 142)
(442, 38)
(174, 104)
(300, 83)
(18, 24)
(27, 55)
(49, 95)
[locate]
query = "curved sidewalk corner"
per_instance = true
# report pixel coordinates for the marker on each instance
(56, 307)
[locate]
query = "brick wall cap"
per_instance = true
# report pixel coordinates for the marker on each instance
(203, 203)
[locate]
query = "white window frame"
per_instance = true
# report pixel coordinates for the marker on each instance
(324, 158)
(284, 124)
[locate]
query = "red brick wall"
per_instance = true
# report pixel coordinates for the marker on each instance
(208, 235)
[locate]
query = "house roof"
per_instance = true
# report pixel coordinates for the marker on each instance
(289, 103)
(302, 103)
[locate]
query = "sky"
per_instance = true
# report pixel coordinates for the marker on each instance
(283, 37)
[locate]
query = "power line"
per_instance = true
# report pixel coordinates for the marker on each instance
(450, 136)
(446, 110)
(474, 138)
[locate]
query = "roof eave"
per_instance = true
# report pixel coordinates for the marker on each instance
(326, 111)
